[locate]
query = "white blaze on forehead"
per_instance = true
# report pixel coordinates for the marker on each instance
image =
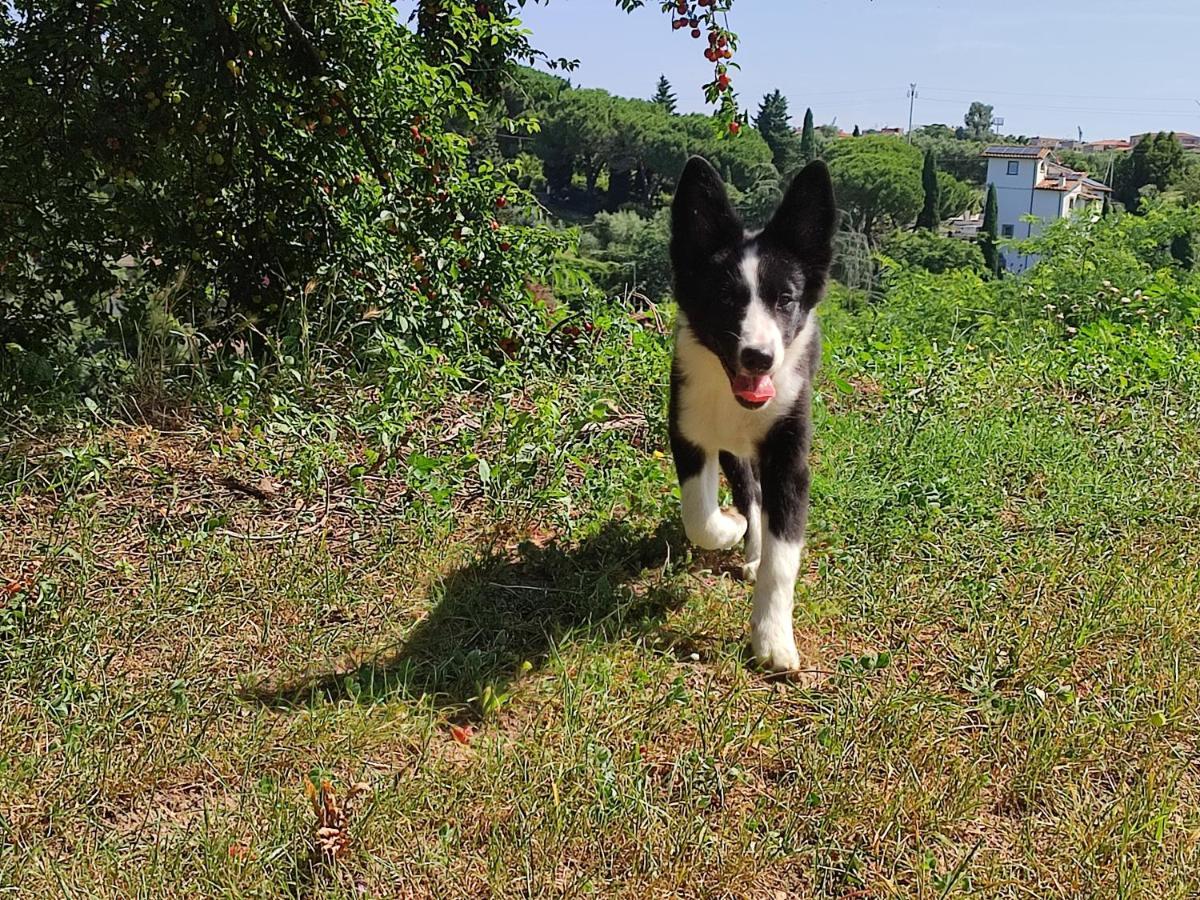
(759, 328)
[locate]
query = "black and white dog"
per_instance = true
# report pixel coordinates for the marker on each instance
(747, 347)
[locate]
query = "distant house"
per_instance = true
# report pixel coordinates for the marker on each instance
(965, 227)
(1030, 184)
(1053, 143)
(1106, 146)
(1190, 142)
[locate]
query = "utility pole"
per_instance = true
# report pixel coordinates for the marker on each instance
(912, 99)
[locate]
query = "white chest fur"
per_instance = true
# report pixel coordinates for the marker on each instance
(708, 414)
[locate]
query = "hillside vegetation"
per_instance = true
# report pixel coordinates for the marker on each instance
(339, 542)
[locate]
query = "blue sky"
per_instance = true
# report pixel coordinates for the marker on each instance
(1112, 67)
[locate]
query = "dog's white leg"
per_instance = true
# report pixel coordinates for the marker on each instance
(772, 639)
(753, 543)
(706, 526)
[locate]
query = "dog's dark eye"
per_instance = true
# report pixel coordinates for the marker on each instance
(787, 301)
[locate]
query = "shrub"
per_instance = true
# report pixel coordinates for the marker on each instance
(221, 161)
(930, 251)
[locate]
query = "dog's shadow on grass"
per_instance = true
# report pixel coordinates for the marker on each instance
(501, 616)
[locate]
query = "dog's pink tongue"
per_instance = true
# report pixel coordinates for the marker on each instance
(754, 388)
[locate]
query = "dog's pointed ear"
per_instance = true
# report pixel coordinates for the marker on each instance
(702, 219)
(807, 219)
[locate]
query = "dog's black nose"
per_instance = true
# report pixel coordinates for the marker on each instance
(756, 361)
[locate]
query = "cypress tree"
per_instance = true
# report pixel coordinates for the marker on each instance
(857, 132)
(990, 233)
(930, 217)
(808, 138)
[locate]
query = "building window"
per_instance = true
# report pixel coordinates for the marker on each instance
(1014, 167)
(1008, 230)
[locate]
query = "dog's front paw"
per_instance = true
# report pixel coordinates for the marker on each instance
(750, 571)
(774, 646)
(720, 531)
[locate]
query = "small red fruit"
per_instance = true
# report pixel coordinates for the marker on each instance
(695, 32)
(501, 202)
(505, 246)
(495, 226)
(723, 82)
(710, 55)
(735, 127)
(728, 54)
(342, 131)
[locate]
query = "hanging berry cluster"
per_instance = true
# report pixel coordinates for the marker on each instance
(703, 17)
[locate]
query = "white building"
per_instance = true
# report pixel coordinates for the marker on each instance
(1029, 183)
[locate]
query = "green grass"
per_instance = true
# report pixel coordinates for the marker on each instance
(1001, 587)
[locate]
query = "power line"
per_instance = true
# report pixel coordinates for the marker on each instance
(988, 92)
(1079, 109)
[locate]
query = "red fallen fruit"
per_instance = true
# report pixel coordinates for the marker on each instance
(462, 734)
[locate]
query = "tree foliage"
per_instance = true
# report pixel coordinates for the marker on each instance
(664, 96)
(637, 144)
(956, 197)
(927, 250)
(989, 235)
(1157, 162)
(931, 212)
(878, 181)
(774, 124)
(978, 121)
(808, 138)
(219, 160)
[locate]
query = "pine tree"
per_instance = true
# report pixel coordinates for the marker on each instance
(989, 239)
(930, 217)
(774, 124)
(808, 138)
(857, 132)
(664, 96)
